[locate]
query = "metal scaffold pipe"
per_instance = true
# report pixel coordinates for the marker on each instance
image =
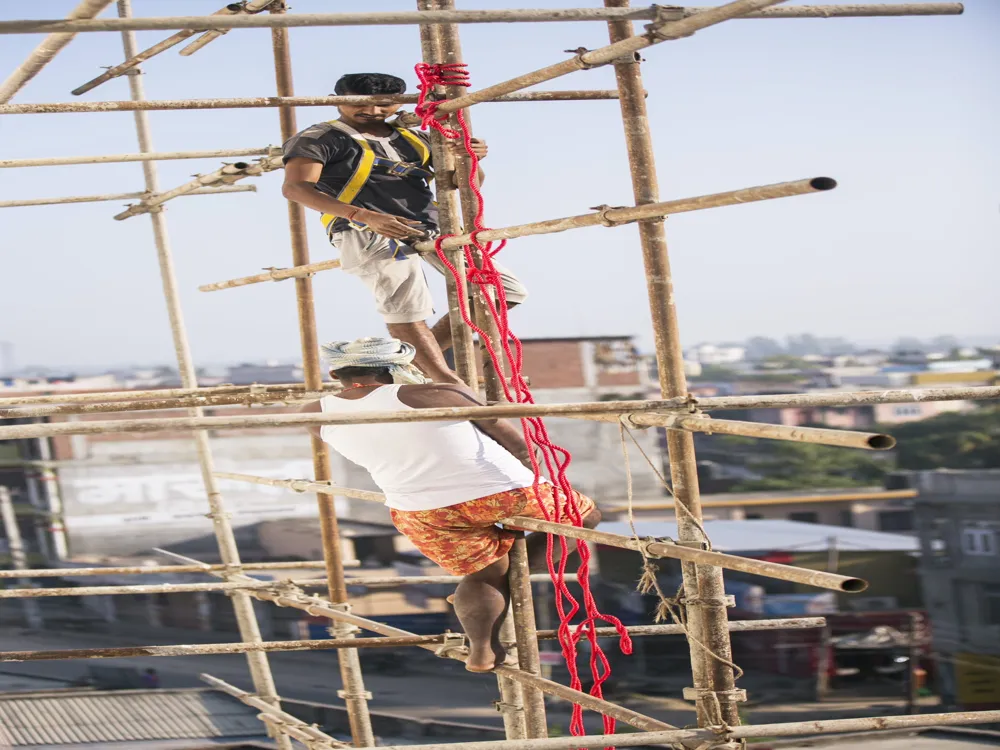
(404, 18)
(212, 649)
(257, 102)
(120, 196)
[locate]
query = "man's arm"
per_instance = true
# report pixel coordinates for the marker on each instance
(313, 407)
(446, 394)
(301, 176)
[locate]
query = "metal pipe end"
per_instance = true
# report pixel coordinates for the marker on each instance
(854, 585)
(881, 442)
(822, 183)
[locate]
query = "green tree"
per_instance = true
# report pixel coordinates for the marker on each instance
(956, 440)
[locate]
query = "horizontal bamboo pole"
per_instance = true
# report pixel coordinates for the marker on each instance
(257, 102)
(279, 391)
(305, 485)
(400, 18)
(59, 161)
(112, 407)
(605, 217)
(124, 570)
(842, 438)
(713, 736)
(656, 548)
(207, 649)
(120, 196)
(308, 734)
(665, 28)
(275, 274)
(500, 411)
(187, 588)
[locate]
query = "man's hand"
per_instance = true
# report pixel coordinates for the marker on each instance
(393, 227)
(479, 147)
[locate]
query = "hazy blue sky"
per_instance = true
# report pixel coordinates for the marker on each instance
(903, 112)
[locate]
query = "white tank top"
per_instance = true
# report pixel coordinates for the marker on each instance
(422, 465)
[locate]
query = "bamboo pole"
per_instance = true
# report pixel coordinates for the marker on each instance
(257, 102)
(285, 723)
(236, 399)
(500, 411)
(260, 670)
(657, 549)
(304, 485)
(704, 591)
(51, 46)
(222, 395)
(213, 649)
(522, 608)
(18, 559)
(120, 196)
(608, 217)
(668, 29)
(450, 221)
(59, 161)
(274, 274)
(354, 693)
(120, 570)
(400, 18)
(250, 7)
(255, 389)
(820, 436)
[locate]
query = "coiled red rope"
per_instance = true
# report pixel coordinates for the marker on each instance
(556, 459)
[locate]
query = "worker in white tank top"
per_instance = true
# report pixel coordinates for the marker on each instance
(447, 484)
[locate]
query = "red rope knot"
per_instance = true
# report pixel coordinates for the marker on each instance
(438, 74)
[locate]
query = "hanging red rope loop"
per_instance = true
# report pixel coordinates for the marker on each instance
(554, 459)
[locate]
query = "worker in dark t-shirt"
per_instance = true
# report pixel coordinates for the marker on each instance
(370, 179)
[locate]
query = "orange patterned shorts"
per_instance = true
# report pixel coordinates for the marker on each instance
(464, 538)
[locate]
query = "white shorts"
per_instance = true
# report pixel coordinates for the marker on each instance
(394, 274)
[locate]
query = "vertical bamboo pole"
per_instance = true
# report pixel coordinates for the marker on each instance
(450, 51)
(703, 585)
(823, 664)
(450, 221)
(523, 609)
(260, 669)
(354, 694)
(18, 560)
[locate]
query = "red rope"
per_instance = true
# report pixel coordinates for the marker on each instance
(556, 459)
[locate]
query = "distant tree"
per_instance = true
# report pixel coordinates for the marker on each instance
(803, 344)
(956, 440)
(836, 346)
(909, 344)
(761, 347)
(945, 344)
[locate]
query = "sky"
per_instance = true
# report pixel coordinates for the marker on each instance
(903, 112)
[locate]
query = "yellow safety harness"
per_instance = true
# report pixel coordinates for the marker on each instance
(363, 171)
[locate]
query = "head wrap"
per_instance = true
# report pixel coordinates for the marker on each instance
(374, 352)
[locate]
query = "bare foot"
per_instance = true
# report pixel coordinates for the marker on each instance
(486, 661)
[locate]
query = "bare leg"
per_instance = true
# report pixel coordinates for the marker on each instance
(442, 333)
(429, 357)
(481, 603)
(536, 543)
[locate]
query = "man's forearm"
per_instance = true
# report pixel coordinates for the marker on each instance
(306, 194)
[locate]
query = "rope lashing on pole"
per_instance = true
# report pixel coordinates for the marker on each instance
(556, 459)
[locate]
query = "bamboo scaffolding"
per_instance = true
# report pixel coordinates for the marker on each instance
(305, 485)
(500, 411)
(123, 570)
(121, 196)
(402, 18)
(258, 102)
(240, 647)
(187, 588)
(608, 217)
(820, 436)
(246, 619)
(18, 559)
(277, 390)
(284, 722)
(59, 161)
(51, 46)
(658, 31)
(237, 399)
(354, 693)
(522, 609)
(658, 548)
(274, 274)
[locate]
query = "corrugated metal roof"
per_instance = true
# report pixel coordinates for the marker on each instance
(767, 535)
(125, 715)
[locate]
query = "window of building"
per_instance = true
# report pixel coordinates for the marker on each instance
(906, 411)
(990, 597)
(847, 518)
(753, 516)
(895, 520)
(979, 542)
(804, 516)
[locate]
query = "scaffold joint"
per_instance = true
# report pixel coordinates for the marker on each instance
(737, 695)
